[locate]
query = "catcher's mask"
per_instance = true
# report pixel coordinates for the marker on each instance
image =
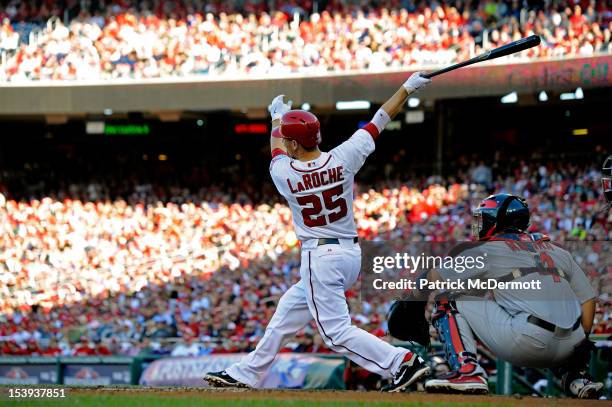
(498, 213)
(606, 179)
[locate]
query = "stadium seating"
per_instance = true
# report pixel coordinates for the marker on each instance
(82, 276)
(127, 40)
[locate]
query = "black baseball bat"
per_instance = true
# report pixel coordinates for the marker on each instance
(516, 46)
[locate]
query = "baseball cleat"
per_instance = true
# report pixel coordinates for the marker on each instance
(454, 382)
(583, 388)
(222, 379)
(413, 367)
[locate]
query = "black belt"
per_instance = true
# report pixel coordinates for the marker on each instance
(550, 327)
(333, 241)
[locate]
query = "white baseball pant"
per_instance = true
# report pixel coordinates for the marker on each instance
(326, 272)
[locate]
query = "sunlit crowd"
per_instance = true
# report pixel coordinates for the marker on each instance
(82, 277)
(156, 39)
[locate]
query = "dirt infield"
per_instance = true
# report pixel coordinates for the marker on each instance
(333, 395)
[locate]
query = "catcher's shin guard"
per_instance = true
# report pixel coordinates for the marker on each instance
(445, 321)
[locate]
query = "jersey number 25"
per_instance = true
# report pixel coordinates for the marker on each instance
(313, 207)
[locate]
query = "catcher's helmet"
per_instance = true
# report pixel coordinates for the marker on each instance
(606, 179)
(498, 213)
(301, 126)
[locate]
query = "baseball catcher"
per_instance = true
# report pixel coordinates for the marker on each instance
(318, 187)
(548, 327)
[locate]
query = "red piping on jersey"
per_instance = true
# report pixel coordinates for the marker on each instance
(312, 169)
(278, 151)
(372, 129)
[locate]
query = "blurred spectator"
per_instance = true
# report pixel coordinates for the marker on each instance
(482, 174)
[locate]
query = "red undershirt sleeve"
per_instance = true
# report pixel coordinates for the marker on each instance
(371, 128)
(277, 152)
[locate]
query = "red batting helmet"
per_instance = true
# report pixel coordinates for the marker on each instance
(301, 126)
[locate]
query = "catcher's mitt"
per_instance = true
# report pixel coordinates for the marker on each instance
(406, 322)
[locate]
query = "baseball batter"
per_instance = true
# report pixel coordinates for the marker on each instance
(545, 327)
(318, 188)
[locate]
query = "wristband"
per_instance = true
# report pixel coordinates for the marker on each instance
(380, 119)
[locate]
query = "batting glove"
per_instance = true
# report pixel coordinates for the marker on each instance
(278, 107)
(416, 82)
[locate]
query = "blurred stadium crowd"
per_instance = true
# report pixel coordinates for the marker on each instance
(202, 273)
(44, 40)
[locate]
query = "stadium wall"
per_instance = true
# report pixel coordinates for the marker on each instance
(305, 371)
(205, 93)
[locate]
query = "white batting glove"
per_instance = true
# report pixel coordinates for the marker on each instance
(416, 82)
(278, 107)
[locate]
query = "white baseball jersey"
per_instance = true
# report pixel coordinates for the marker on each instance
(320, 192)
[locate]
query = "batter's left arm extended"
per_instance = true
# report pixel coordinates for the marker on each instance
(394, 104)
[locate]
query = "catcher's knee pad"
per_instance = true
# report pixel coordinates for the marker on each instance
(445, 321)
